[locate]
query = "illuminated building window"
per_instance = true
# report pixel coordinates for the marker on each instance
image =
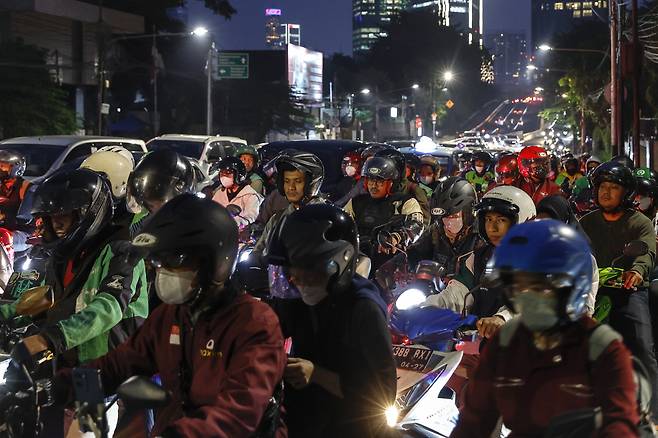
(587, 13)
(587, 5)
(577, 14)
(558, 6)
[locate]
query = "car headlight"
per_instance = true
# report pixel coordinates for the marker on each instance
(410, 298)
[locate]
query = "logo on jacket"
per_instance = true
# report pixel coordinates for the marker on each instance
(144, 239)
(209, 350)
(116, 283)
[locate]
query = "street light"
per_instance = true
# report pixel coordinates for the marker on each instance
(365, 91)
(200, 31)
(415, 86)
(448, 76)
(531, 67)
(544, 47)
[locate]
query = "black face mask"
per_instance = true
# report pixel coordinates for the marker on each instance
(4, 175)
(572, 170)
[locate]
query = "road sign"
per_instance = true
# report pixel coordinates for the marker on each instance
(233, 66)
(450, 104)
(419, 122)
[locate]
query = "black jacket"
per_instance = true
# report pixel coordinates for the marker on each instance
(346, 334)
(436, 246)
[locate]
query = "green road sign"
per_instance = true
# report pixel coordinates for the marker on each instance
(233, 66)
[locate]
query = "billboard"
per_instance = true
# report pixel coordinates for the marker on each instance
(272, 12)
(305, 73)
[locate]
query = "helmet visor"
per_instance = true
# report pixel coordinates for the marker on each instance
(49, 200)
(149, 190)
(280, 285)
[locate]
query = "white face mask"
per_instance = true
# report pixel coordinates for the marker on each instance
(538, 312)
(312, 295)
(226, 181)
(644, 203)
(453, 225)
(479, 169)
(427, 180)
(350, 170)
(174, 287)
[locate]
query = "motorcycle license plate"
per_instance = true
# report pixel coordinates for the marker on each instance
(411, 358)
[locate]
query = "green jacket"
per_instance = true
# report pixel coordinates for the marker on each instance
(480, 183)
(109, 306)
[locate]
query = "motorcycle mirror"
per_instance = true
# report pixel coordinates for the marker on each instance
(35, 301)
(582, 422)
(636, 248)
(139, 392)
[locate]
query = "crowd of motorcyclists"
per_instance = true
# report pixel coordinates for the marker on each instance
(140, 260)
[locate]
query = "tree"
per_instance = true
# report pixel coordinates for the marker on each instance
(32, 103)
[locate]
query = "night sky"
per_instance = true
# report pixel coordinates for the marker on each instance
(326, 24)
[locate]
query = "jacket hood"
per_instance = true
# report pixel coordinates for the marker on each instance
(364, 288)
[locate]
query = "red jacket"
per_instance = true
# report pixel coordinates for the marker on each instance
(527, 393)
(235, 355)
(539, 192)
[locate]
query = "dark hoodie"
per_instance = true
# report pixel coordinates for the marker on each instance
(346, 334)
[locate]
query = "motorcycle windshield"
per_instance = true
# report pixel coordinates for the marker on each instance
(429, 325)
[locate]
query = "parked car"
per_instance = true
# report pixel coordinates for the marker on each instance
(330, 153)
(45, 154)
(446, 155)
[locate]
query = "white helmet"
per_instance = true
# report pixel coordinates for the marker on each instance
(121, 151)
(509, 201)
(115, 166)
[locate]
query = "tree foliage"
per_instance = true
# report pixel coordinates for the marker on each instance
(32, 103)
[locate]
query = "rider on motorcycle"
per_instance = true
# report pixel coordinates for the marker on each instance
(480, 176)
(160, 176)
(500, 209)
(507, 171)
(12, 192)
(217, 351)
(236, 190)
(552, 359)
(568, 177)
(610, 228)
(581, 189)
(452, 235)
(430, 171)
(100, 293)
(534, 167)
(342, 371)
(299, 178)
(350, 185)
(646, 198)
(381, 206)
(413, 165)
(249, 157)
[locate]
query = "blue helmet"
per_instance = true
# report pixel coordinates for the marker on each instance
(554, 250)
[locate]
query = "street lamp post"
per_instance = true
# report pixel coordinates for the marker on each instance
(198, 32)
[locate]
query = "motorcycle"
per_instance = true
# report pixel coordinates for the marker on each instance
(612, 277)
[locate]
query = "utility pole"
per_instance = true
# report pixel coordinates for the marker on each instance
(101, 66)
(156, 115)
(615, 137)
(636, 66)
(209, 89)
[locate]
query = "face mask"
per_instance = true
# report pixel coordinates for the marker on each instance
(4, 174)
(644, 203)
(571, 171)
(479, 169)
(312, 295)
(350, 170)
(453, 225)
(427, 180)
(227, 181)
(538, 312)
(174, 287)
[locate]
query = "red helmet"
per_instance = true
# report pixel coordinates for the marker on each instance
(507, 169)
(351, 159)
(7, 241)
(534, 162)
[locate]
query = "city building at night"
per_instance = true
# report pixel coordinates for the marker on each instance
(272, 28)
(510, 53)
(467, 16)
(369, 21)
(550, 18)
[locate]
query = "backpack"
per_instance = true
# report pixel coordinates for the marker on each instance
(600, 337)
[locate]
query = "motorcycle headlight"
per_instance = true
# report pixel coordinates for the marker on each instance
(245, 254)
(410, 298)
(4, 365)
(391, 413)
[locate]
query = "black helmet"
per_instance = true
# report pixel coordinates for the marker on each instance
(310, 165)
(80, 191)
(482, 156)
(398, 159)
(317, 237)
(647, 182)
(160, 176)
(413, 161)
(16, 160)
(623, 160)
(234, 164)
(372, 149)
(451, 196)
(189, 225)
(618, 173)
(381, 168)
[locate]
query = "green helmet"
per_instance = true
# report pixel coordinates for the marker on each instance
(248, 150)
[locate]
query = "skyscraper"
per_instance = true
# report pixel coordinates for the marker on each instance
(290, 34)
(369, 19)
(509, 51)
(553, 17)
(467, 16)
(272, 28)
